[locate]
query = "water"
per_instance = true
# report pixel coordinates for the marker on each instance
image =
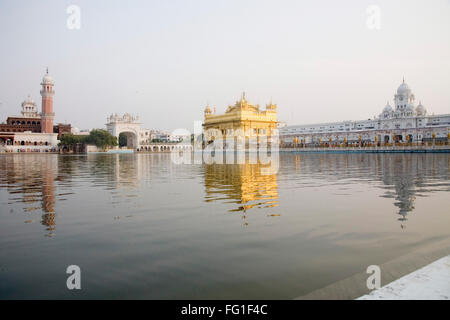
(140, 226)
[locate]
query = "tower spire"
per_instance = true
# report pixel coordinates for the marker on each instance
(47, 70)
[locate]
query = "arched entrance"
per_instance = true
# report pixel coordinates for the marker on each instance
(128, 139)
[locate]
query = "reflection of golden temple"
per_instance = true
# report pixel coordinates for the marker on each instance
(243, 184)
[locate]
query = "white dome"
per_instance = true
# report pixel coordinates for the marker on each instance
(387, 108)
(403, 88)
(28, 100)
(420, 109)
(410, 108)
(47, 79)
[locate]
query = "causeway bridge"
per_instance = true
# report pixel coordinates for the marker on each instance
(164, 147)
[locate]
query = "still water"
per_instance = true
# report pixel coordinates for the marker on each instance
(140, 226)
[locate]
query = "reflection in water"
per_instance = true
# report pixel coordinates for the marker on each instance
(30, 179)
(40, 181)
(48, 198)
(149, 222)
(243, 184)
(403, 176)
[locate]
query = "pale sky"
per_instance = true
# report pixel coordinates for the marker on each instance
(164, 60)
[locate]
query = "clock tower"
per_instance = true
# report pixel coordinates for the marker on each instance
(403, 98)
(47, 114)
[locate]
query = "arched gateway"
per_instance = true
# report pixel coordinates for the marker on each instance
(138, 138)
(127, 125)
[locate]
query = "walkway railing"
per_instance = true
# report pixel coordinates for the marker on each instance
(416, 148)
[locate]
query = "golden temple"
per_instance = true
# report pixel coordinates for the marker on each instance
(242, 119)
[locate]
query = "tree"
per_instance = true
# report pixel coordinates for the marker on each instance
(71, 139)
(101, 138)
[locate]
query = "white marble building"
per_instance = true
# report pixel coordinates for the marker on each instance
(128, 125)
(405, 122)
(139, 138)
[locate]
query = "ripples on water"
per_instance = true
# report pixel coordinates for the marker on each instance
(143, 227)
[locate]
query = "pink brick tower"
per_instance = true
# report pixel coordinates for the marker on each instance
(47, 114)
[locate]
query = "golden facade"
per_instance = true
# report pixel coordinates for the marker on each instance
(243, 120)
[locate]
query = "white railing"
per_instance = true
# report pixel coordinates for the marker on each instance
(369, 149)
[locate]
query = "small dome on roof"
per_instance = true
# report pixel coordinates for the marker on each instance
(387, 108)
(28, 101)
(420, 109)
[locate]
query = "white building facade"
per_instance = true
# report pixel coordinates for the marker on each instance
(138, 138)
(128, 125)
(405, 122)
